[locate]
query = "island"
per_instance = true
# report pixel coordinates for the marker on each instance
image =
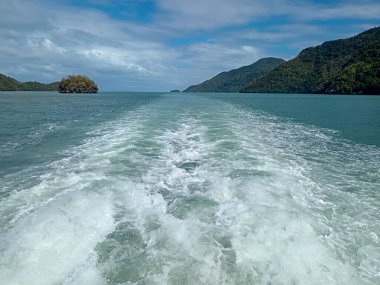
(77, 84)
(175, 91)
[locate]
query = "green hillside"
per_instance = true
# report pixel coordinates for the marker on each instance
(11, 84)
(235, 80)
(349, 66)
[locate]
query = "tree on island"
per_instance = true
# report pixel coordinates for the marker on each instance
(77, 84)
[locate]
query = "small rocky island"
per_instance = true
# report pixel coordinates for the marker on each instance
(77, 84)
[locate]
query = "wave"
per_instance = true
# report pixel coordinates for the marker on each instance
(30, 137)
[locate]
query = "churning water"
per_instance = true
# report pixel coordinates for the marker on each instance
(188, 189)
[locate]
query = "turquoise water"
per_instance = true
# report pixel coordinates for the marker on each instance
(154, 188)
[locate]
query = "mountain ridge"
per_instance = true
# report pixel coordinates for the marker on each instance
(10, 84)
(344, 66)
(235, 79)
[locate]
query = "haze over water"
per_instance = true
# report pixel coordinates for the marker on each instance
(154, 188)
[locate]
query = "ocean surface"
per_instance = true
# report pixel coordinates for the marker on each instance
(158, 188)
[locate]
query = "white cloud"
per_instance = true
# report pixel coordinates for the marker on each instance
(43, 40)
(187, 15)
(78, 41)
(354, 10)
(200, 14)
(92, 43)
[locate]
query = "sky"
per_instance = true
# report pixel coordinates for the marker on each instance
(159, 45)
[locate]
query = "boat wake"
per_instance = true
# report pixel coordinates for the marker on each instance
(191, 193)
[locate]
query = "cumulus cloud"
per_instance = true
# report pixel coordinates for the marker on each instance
(44, 40)
(75, 41)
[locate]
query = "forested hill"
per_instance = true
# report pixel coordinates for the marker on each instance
(11, 84)
(235, 80)
(349, 66)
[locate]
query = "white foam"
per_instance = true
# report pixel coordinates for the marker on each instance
(199, 196)
(50, 230)
(50, 245)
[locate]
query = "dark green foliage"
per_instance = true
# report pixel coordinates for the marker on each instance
(37, 86)
(350, 66)
(77, 84)
(234, 80)
(10, 84)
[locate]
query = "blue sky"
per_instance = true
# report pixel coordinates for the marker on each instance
(158, 45)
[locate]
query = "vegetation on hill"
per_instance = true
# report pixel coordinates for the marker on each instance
(349, 66)
(77, 84)
(11, 84)
(235, 80)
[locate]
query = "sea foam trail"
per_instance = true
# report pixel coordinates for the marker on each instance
(50, 229)
(197, 191)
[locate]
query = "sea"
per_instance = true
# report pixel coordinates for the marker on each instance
(182, 188)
